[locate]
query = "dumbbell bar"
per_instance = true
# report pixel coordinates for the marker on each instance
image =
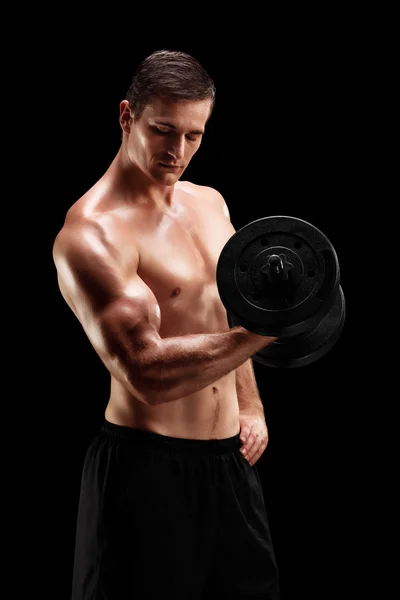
(280, 276)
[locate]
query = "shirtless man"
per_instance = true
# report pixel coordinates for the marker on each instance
(169, 506)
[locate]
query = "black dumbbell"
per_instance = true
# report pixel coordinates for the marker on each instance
(280, 276)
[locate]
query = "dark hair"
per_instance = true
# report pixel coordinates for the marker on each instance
(169, 74)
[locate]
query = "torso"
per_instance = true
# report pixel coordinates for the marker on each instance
(178, 254)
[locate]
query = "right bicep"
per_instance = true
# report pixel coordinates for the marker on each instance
(119, 314)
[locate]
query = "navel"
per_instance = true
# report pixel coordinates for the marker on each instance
(176, 292)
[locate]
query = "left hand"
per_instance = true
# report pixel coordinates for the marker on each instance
(253, 429)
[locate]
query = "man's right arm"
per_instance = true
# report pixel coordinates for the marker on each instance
(121, 318)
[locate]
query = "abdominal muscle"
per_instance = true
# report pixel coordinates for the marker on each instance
(211, 413)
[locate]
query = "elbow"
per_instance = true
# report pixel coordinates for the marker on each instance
(148, 386)
(156, 393)
(152, 391)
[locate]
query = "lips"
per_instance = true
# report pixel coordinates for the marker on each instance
(169, 166)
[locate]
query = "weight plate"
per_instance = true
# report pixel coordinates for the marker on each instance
(290, 302)
(309, 346)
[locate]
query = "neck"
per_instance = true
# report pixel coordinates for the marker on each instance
(134, 186)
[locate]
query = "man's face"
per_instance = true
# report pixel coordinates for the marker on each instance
(166, 136)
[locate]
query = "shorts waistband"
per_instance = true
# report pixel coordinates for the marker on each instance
(150, 438)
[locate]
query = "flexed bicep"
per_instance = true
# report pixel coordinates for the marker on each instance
(119, 314)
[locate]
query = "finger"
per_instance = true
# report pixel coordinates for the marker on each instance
(244, 433)
(256, 450)
(258, 454)
(253, 443)
(249, 443)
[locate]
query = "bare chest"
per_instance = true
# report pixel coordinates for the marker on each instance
(179, 254)
(177, 260)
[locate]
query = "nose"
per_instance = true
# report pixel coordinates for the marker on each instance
(177, 146)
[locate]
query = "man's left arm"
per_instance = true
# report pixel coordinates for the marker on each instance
(253, 428)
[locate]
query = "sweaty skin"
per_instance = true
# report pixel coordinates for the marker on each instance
(138, 252)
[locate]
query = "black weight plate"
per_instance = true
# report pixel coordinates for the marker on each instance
(309, 346)
(245, 290)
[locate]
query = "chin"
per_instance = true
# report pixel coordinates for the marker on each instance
(165, 178)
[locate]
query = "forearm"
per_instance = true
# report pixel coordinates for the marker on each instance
(246, 387)
(186, 364)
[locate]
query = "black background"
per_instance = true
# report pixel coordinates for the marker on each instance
(287, 111)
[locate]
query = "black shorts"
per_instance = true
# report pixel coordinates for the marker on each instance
(162, 517)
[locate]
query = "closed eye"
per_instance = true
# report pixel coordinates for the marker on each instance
(167, 131)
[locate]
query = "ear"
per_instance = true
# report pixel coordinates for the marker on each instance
(125, 116)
